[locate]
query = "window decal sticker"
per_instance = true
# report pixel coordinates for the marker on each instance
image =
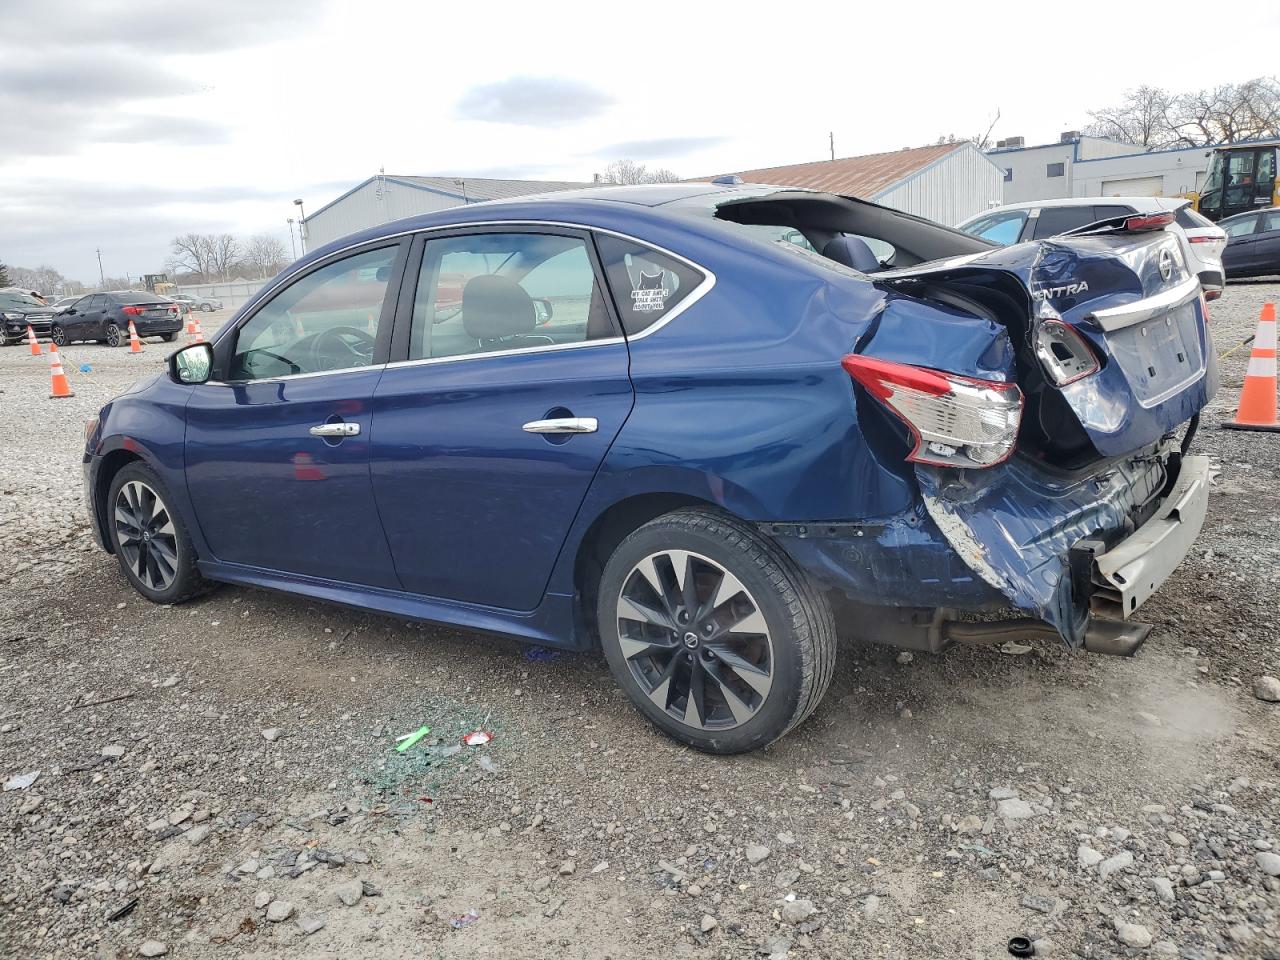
(651, 293)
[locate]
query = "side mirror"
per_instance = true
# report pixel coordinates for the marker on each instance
(542, 311)
(191, 365)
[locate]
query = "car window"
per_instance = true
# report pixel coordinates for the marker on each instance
(327, 320)
(490, 292)
(94, 302)
(136, 296)
(1056, 220)
(1002, 228)
(1239, 228)
(11, 298)
(648, 285)
(1188, 219)
(1270, 221)
(1107, 211)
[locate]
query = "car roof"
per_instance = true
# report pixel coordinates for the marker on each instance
(1139, 204)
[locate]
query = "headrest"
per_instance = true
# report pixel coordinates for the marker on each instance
(495, 307)
(852, 252)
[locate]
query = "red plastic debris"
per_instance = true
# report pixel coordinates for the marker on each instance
(477, 738)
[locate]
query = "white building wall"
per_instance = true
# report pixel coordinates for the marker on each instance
(375, 202)
(1030, 166)
(1165, 173)
(961, 184)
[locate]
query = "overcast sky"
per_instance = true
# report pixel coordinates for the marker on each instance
(125, 123)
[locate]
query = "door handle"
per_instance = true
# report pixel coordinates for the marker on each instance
(336, 430)
(563, 425)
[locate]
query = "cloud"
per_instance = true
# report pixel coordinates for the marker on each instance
(659, 149)
(158, 27)
(533, 101)
(182, 131)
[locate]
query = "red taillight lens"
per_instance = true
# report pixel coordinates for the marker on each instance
(1204, 239)
(1148, 221)
(956, 421)
(132, 311)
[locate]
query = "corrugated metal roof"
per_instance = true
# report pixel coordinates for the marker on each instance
(482, 188)
(852, 176)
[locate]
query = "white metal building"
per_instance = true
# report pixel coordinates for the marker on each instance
(384, 197)
(1048, 171)
(1160, 173)
(945, 182)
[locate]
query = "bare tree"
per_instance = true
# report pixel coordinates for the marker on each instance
(628, 172)
(224, 254)
(265, 255)
(190, 254)
(1153, 118)
(43, 278)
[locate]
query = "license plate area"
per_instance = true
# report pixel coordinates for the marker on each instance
(1160, 356)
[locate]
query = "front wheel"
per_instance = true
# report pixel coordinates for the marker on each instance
(207, 307)
(115, 335)
(714, 632)
(149, 537)
(58, 335)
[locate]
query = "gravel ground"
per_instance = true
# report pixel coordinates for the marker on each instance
(217, 779)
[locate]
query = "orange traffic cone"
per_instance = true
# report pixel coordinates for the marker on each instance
(59, 387)
(135, 345)
(197, 334)
(1258, 398)
(31, 339)
(191, 322)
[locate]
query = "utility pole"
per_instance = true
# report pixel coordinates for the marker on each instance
(102, 278)
(831, 138)
(292, 245)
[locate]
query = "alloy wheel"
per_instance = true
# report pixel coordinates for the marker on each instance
(58, 336)
(113, 335)
(146, 535)
(695, 640)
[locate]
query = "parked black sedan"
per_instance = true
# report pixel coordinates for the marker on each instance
(1253, 244)
(105, 317)
(18, 309)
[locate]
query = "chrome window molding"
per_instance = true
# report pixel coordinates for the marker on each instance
(701, 290)
(295, 376)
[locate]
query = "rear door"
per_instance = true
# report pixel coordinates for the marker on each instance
(1241, 251)
(277, 446)
(511, 385)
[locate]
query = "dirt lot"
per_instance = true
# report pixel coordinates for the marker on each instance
(217, 779)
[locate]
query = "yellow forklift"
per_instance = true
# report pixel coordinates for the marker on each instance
(1241, 177)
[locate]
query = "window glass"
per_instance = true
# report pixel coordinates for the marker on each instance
(10, 298)
(1002, 228)
(328, 320)
(647, 285)
(1056, 220)
(1107, 211)
(1241, 227)
(1008, 174)
(1188, 219)
(1270, 221)
(96, 302)
(1055, 169)
(488, 292)
(136, 296)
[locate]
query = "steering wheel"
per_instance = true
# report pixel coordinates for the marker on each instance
(332, 350)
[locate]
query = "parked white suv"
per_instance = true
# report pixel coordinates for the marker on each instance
(1202, 241)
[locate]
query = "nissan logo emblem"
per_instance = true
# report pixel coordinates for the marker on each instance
(1166, 264)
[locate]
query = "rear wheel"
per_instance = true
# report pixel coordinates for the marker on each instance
(58, 335)
(714, 633)
(168, 337)
(150, 539)
(114, 335)
(207, 307)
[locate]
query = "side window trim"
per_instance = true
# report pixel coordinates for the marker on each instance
(696, 294)
(399, 355)
(226, 339)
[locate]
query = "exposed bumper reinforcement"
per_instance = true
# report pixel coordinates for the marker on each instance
(1131, 571)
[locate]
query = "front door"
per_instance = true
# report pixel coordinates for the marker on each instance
(278, 446)
(486, 437)
(85, 323)
(1240, 250)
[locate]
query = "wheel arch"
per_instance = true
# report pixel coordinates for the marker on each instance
(112, 463)
(607, 530)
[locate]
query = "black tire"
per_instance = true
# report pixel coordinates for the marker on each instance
(115, 336)
(168, 337)
(799, 642)
(206, 307)
(180, 558)
(58, 335)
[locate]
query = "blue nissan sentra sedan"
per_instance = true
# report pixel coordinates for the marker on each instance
(701, 426)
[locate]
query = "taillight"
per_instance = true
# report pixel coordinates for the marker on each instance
(1205, 239)
(132, 311)
(956, 421)
(1063, 353)
(1148, 221)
